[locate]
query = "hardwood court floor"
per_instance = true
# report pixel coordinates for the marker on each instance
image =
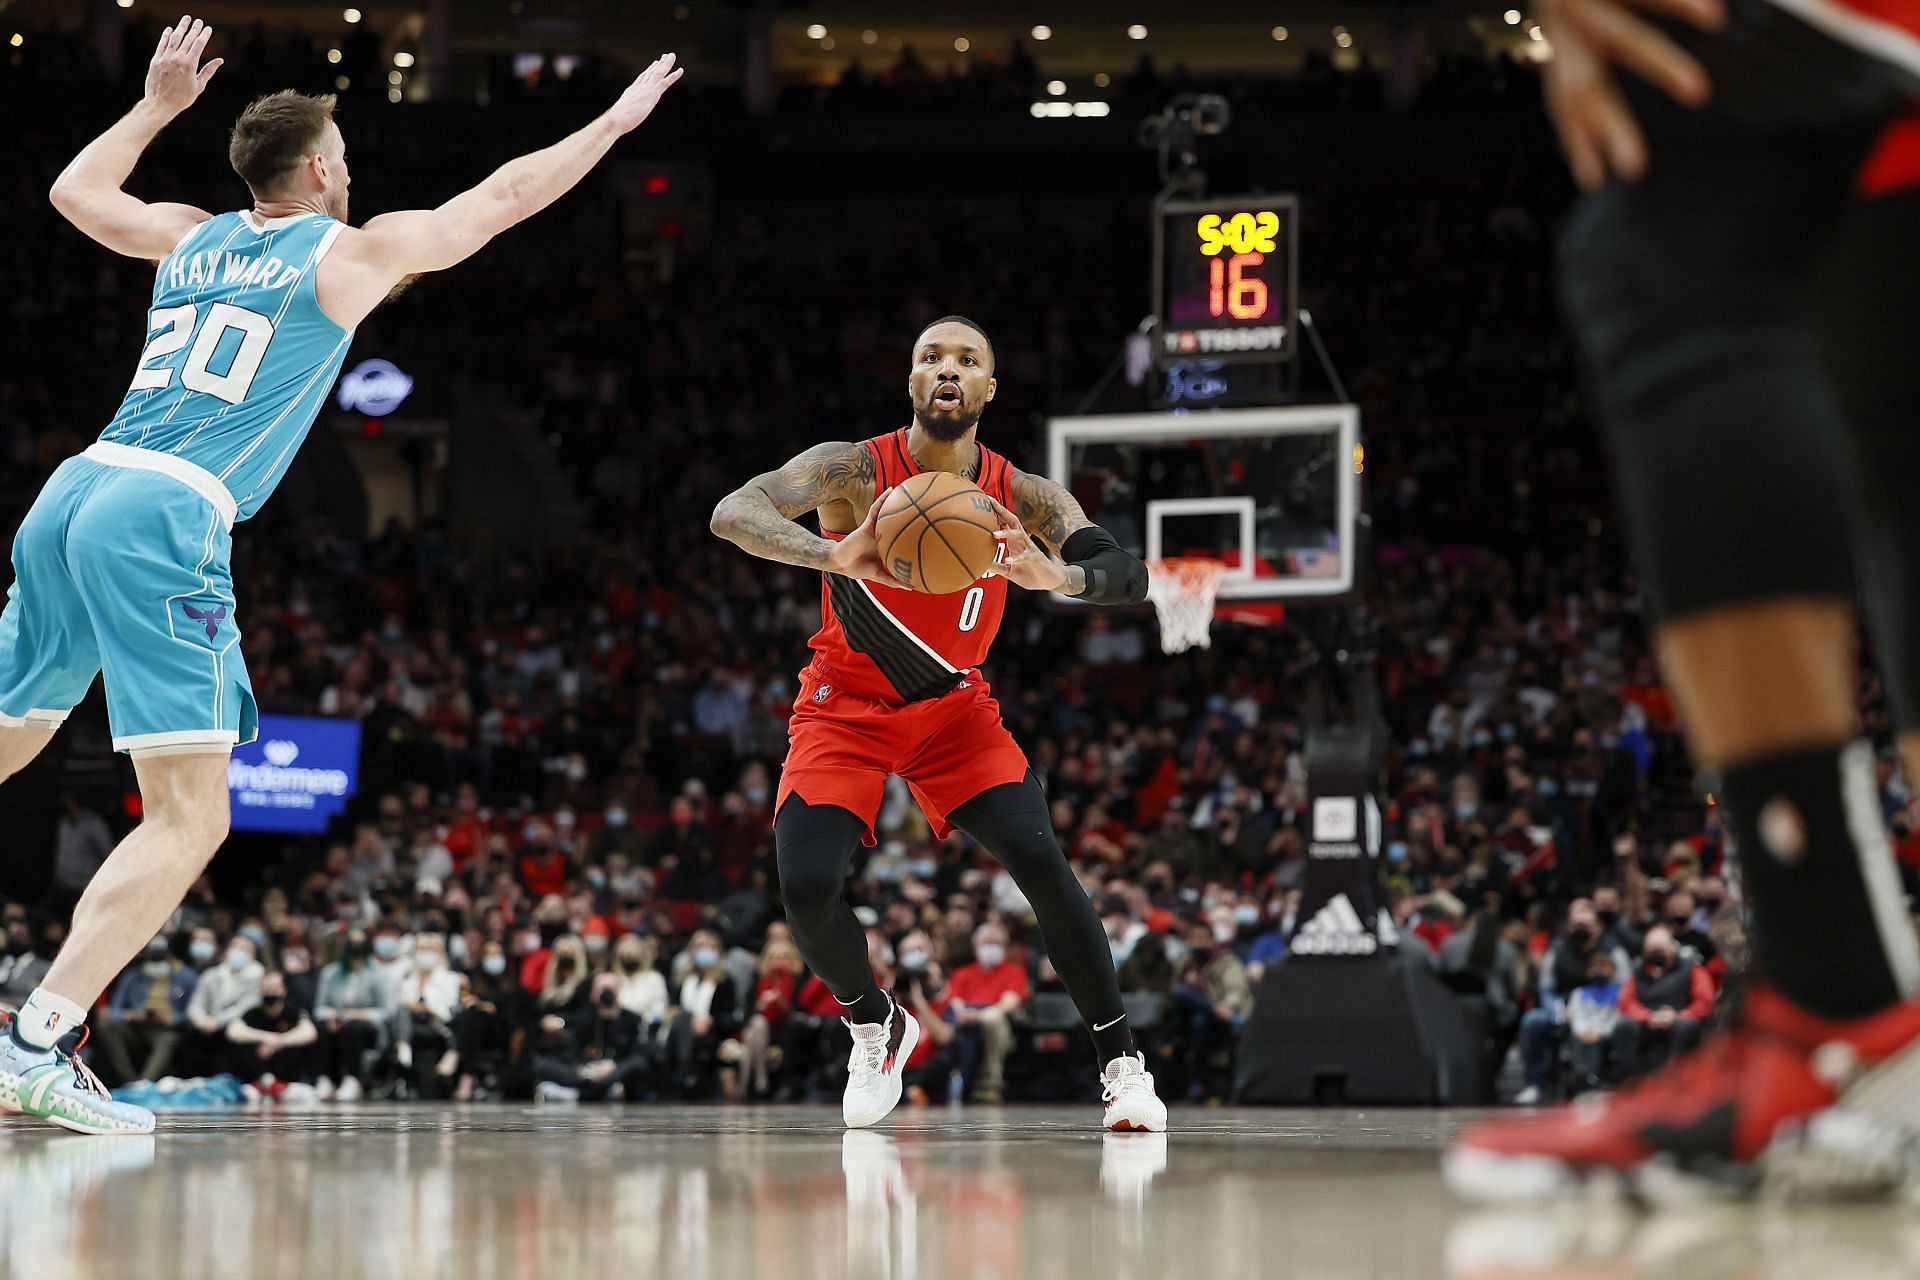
(686, 1193)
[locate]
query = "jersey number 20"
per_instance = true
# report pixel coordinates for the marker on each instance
(176, 326)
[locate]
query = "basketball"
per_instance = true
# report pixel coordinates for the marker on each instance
(936, 532)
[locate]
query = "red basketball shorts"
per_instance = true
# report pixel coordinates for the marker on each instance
(841, 747)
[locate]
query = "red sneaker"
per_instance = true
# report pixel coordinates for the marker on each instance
(1785, 1098)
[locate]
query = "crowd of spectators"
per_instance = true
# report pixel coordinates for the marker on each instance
(558, 880)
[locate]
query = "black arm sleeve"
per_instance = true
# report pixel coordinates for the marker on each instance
(1113, 576)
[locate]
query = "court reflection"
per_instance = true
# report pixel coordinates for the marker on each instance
(1698, 1241)
(691, 1193)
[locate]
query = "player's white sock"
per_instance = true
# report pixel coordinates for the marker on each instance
(45, 1017)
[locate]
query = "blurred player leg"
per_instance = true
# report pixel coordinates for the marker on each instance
(1868, 304)
(1692, 292)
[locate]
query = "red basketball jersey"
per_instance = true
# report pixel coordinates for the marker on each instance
(895, 645)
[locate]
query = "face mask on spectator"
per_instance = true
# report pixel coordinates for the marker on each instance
(294, 962)
(1608, 918)
(990, 954)
(1223, 932)
(630, 962)
(609, 1000)
(238, 960)
(386, 946)
(926, 868)
(202, 951)
(597, 878)
(1465, 809)
(495, 965)
(914, 959)
(529, 942)
(1581, 933)
(273, 1004)
(427, 961)
(596, 944)
(705, 958)
(358, 950)
(157, 968)
(256, 935)
(1397, 851)
(1246, 913)
(756, 796)
(1659, 960)
(1508, 733)
(616, 817)
(885, 873)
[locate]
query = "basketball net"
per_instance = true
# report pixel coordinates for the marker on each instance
(1183, 591)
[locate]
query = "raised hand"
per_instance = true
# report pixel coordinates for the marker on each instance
(175, 76)
(637, 103)
(1590, 39)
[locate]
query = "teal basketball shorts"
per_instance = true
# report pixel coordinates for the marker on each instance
(122, 568)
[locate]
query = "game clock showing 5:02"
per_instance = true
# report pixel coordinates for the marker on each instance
(1224, 279)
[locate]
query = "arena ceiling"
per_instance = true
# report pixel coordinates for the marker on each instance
(817, 39)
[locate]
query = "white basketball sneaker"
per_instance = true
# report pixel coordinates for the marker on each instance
(1132, 1105)
(56, 1086)
(874, 1069)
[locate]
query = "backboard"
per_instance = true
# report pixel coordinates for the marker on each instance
(1271, 492)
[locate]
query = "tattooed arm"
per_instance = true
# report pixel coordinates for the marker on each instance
(758, 517)
(1097, 568)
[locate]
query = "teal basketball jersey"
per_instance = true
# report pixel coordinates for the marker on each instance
(239, 354)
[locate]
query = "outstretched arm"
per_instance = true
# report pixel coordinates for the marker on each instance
(758, 517)
(88, 191)
(366, 266)
(1095, 568)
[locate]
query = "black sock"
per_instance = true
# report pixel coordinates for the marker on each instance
(1830, 923)
(870, 1006)
(1111, 1040)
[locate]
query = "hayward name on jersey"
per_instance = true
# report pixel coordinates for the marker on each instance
(239, 355)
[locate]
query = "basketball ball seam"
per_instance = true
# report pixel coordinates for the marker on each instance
(919, 555)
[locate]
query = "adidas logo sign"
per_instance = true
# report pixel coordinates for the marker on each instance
(1335, 930)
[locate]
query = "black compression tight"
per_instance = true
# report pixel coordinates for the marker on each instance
(816, 844)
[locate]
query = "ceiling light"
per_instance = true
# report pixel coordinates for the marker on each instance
(1056, 87)
(1279, 33)
(1043, 32)
(816, 32)
(1136, 32)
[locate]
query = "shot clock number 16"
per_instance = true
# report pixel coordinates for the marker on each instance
(1224, 287)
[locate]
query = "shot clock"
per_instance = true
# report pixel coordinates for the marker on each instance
(1224, 283)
